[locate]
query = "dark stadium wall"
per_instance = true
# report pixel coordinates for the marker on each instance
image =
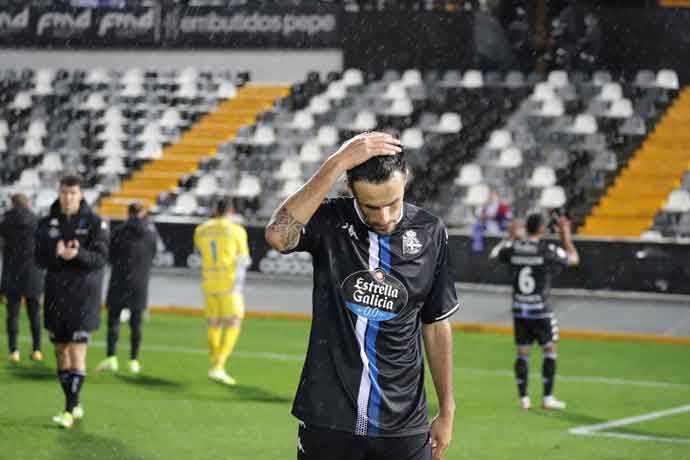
(605, 264)
(274, 66)
(645, 38)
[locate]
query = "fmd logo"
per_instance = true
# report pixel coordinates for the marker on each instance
(14, 23)
(126, 22)
(63, 23)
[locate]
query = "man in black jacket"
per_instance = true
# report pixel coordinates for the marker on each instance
(20, 275)
(132, 249)
(72, 244)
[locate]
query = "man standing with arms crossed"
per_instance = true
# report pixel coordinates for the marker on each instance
(534, 262)
(381, 283)
(224, 262)
(72, 245)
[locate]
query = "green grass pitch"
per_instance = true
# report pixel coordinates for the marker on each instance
(172, 411)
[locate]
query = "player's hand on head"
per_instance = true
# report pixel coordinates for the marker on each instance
(441, 434)
(365, 146)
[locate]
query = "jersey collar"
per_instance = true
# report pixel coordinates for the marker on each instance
(361, 216)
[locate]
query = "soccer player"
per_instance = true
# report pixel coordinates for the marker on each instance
(534, 262)
(381, 283)
(224, 262)
(20, 275)
(72, 245)
(132, 249)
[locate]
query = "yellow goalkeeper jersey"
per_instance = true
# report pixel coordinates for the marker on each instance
(220, 243)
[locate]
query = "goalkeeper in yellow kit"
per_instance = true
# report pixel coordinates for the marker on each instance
(225, 258)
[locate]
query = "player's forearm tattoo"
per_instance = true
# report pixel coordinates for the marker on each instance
(283, 224)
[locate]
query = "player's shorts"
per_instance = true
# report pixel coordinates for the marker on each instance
(224, 305)
(315, 443)
(543, 330)
(66, 336)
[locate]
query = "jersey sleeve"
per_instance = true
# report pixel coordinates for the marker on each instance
(502, 252)
(243, 245)
(321, 222)
(442, 300)
(556, 255)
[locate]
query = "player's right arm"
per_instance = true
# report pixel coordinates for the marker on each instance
(503, 250)
(565, 230)
(286, 223)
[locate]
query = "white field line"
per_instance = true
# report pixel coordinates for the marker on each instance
(459, 370)
(598, 429)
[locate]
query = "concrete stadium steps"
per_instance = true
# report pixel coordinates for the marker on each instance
(200, 141)
(639, 192)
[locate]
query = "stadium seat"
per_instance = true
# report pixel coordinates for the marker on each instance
(364, 121)
(412, 77)
(477, 195)
(289, 169)
(667, 79)
(185, 205)
(207, 186)
(327, 136)
(352, 77)
(552, 197)
(472, 79)
(584, 124)
(310, 152)
(678, 201)
(500, 139)
(470, 174)
(558, 78)
(449, 123)
(412, 138)
(542, 176)
(248, 187)
(622, 108)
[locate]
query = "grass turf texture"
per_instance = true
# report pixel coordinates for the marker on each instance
(172, 411)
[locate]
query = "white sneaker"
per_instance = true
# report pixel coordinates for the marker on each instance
(134, 366)
(64, 420)
(219, 375)
(78, 412)
(551, 403)
(109, 364)
(525, 403)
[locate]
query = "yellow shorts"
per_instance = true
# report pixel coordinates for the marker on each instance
(224, 305)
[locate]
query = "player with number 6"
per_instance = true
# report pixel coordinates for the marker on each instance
(534, 262)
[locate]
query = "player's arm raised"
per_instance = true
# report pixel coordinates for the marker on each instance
(286, 223)
(564, 228)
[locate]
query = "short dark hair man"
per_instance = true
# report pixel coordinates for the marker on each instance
(72, 245)
(534, 262)
(131, 253)
(381, 284)
(20, 275)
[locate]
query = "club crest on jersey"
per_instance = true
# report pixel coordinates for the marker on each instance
(410, 243)
(350, 230)
(374, 294)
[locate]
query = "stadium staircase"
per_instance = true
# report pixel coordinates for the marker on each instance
(200, 141)
(630, 204)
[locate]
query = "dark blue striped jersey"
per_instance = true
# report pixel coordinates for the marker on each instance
(364, 369)
(533, 265)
